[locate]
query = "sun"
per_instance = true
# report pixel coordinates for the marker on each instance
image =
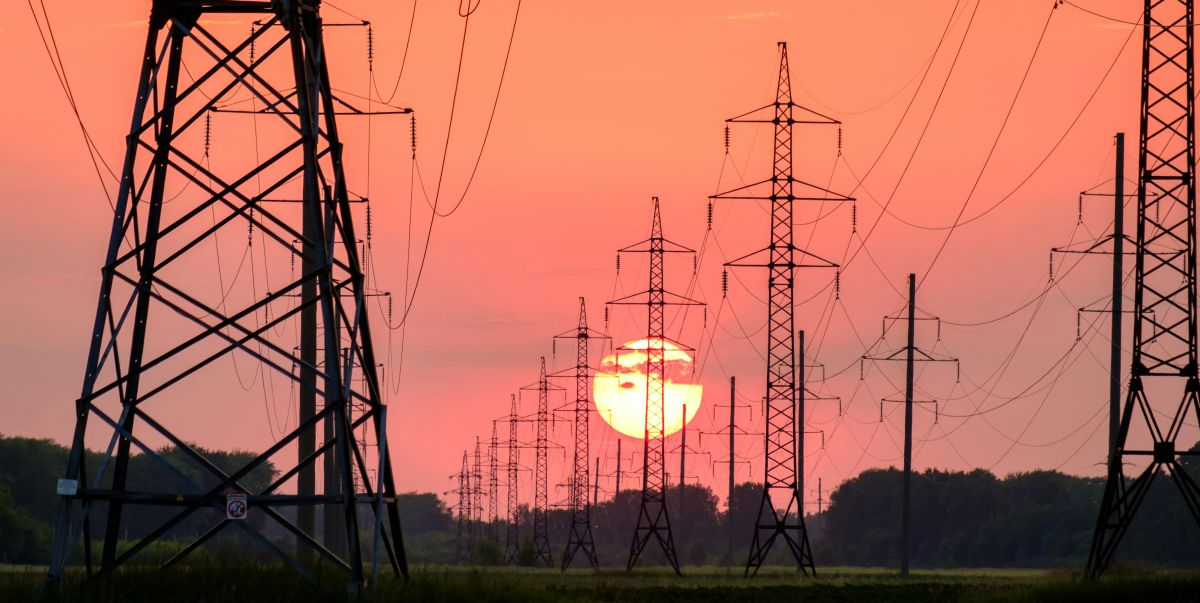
(619, 392)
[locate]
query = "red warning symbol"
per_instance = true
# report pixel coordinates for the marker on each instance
(235, 507)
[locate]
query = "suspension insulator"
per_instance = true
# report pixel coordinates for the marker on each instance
(389, 296)
(1051, 265)
(253, 27)
(618, 263)
(839, 146)
(837, 285)
(207, 131)
(412, 133)
(250, 228)
(695, 265)
(1079, 213)
(368, 221)
(853, 217)
(724, 283)
(710, 214)
(705, 317)
(726, 139)
(370, 48)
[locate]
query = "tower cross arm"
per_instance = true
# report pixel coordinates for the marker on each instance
(755, 116)
(650, 246)
(808, 260)
(642, 298)
(808, 191)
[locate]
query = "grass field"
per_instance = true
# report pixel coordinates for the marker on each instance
(434, 584)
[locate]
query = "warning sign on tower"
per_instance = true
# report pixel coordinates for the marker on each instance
(235, 506)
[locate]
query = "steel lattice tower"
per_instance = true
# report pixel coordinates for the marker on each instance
(653, 520)
(541, 480)
(477, 493)
(580, 537)
(1164, 316)
(155, 327)
(494, 485)
(464, 547)
(784, 451)
(512, 542)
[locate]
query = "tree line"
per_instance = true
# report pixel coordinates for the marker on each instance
(959, 519)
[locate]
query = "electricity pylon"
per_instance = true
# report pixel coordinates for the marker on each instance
(512, 541)
(157, 327)
(580, 536)
(494, 485)
(783, 456)
(464, 547)
(477, 494)
(1164, 299)
(910, 354)
(541, 481)
(653, 520)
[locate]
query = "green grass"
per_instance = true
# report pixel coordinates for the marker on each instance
(248, 582)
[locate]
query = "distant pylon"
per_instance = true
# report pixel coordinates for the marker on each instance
(463, 545)
(477, 494)
(159, 326)
(653, 520)
(580, 536)
(512, 540)
(541, 481)
(1164, 300)
(494, 485)
(783, 454)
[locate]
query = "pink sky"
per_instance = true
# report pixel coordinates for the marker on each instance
(604, 106)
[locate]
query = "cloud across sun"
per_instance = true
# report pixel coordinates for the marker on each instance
(619, 392)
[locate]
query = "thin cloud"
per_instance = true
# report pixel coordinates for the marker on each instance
(754, 16)
(492, 324)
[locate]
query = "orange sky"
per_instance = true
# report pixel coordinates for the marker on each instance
(603, 106)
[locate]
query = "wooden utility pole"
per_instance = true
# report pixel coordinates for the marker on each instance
(1118, 275)
(910, 354)
(617, 489)
(729, 501)
(683, 452)
(906, 503)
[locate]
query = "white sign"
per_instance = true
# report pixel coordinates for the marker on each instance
(235, 507)
(68, 487)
